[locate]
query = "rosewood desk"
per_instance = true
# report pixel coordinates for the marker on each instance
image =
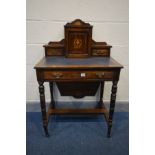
(78, 70)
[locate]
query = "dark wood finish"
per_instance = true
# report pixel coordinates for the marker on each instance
(78, 35)
(112, 106)
(43, 107)
(102, 110)
(74, 89)
(100, 49)
(77, 111)
(52, 104)
(100, 104)
(78, 42)
(54, 48)
(79, 76)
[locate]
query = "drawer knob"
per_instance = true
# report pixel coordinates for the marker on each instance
(57, 75)
(100, 75)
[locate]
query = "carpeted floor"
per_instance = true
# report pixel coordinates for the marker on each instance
(77, 135)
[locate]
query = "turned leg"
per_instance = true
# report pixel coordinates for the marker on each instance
(52, 104)
(100, 103)
(43, 107)
(112, 106)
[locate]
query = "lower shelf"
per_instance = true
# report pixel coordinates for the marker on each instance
(78, 111)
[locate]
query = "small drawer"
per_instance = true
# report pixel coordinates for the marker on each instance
(100, 52)
(54, 51)
(79, 75)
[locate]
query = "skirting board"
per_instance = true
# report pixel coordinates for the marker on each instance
(34, 106)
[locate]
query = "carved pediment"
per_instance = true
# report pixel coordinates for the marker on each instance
(77, 23)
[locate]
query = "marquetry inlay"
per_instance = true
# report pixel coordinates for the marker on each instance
(77, 43)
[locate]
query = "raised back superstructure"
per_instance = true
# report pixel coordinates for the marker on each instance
(78, 42)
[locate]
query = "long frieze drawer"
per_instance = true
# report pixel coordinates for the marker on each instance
(70, 75)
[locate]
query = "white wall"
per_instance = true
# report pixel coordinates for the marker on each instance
(45, 21)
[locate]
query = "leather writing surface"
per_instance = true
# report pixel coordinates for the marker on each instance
(60, 61)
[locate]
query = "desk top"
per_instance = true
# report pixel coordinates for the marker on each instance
(60, 62)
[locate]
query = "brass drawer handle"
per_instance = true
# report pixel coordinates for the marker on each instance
(100, 75)
(57, 75)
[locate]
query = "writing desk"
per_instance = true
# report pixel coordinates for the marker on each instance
(77, 76)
